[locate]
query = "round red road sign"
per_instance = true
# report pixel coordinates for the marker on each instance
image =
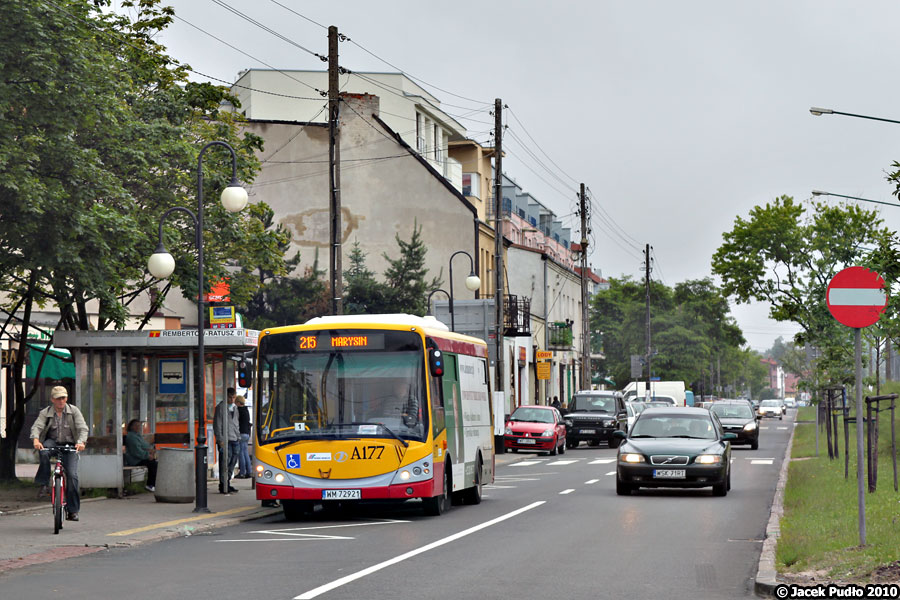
(856, 297)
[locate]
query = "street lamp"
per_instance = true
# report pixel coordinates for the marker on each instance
(433, 292)
(472, 283)
(821, 193)
(161, 265)
(827, 111)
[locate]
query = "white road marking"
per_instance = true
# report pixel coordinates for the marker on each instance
(781, 428)
(611, 473)
(292, 534)
(563, 462)
(526, 463)
(591, 481)
(602, 461)
(493, 486)
(752, 458)
(398, 559)
(569, 491)
(762, 461)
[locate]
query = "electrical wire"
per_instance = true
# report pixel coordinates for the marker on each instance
(514, 116)
(267, 29)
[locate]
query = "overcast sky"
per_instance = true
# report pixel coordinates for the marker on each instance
(679, 116)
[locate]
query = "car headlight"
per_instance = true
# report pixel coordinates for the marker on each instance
(549, 432)
(631, 457)
(609, 423)
(708, 459)
(509, 431)
(750, 426)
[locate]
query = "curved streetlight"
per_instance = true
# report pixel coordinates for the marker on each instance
(821, 193)
(161, 265)
(815, 110)
(433, 292)
(473, 282)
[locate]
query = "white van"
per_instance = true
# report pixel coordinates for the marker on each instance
(637, 390)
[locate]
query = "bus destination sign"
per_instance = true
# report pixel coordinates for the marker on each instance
(324, 341)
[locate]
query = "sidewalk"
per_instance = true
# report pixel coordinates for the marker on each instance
(27, 538)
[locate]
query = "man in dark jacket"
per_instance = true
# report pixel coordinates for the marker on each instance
(228, 437)
(244, 464)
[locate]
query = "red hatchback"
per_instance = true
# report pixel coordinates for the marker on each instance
(536, 428)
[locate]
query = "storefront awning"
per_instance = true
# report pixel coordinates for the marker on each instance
(57, 365)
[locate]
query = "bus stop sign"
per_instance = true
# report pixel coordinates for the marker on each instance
(856, 297)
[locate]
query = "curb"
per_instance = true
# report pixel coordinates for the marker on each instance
(203, 528)
(766, 573)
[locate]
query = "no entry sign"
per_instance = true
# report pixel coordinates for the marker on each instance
(856, 297)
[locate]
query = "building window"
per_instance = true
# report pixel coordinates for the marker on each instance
(471, 185)
(521, 213)
(438, 147)
(420, 133)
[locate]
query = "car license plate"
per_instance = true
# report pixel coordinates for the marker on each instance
(588, 431)
(526, 441)
(668, 473)
(341, 494)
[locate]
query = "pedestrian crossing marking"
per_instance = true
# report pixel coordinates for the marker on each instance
(762, 461)
(563, 462)
(611, 473)
(564, 492)
(602, 461)
(493, 486)
(781, 427)
(526, 463)
(591, 481)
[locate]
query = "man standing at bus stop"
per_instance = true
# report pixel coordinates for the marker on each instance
(228, 440)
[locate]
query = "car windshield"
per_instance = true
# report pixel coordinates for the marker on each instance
(672, 426)
(732, 411)
(532, 415)
(605, 404)
(771, 403)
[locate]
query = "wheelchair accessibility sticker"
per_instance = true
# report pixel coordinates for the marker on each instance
(292, 461)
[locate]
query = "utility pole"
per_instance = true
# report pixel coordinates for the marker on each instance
(334, 172)
(647, 284)
(498, 244)
(585, 314)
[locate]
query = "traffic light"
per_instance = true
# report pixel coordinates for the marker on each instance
(244, 377)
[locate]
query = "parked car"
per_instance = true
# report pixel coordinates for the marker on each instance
(633, 409)
(790, 403)
(593, 417)
(770, 408)
(738, 418)
(535, 428)
(674, 447)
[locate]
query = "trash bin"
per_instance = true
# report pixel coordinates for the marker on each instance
(175, 475)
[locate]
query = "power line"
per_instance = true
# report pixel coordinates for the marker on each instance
(539, 147)
(268, 29)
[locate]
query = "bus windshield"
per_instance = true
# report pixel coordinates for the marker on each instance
(342, 384)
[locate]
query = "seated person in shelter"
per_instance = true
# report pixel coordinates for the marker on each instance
(140, 453)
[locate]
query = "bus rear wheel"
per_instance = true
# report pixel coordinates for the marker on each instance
(438, 505)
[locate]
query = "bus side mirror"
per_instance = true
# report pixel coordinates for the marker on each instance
(436, 362)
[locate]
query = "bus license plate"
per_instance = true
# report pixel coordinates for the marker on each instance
(668, 473)
(526, 441)
(341, 494)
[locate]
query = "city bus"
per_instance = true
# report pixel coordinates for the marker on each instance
(371, 407)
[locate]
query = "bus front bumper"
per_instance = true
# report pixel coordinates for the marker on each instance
(419, 489)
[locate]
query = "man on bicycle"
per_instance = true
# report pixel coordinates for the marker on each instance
(59, 424)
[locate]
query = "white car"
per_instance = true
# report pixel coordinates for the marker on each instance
(770, 408)
(634, 409)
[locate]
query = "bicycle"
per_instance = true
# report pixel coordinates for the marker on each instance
(58, 480)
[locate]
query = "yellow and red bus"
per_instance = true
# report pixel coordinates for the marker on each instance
(371, 407)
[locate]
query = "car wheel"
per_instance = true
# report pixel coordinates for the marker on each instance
(555, 447)
(781, 417)
(514, 450)
(728, 481)
(563, 446)
(720, 489)
(754, 445)
(593, 442)
(614, 442)
(622, 488)
(572, 444)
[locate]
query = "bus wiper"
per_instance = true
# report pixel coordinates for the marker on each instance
(394, 435)
(382, 425)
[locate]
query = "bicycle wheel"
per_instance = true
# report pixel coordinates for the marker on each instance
(57, 504)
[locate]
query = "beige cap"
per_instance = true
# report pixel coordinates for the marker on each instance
(58, 392)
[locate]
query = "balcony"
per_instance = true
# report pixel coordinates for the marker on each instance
(516, 315)
(561, 337)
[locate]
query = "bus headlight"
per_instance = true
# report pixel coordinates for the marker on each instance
(267, 474)
(279, 478)
(404, 475)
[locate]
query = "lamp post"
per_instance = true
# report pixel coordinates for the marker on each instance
(473, 282)
(161, 265)
(821, 193)
(433, 292)
(818, 112)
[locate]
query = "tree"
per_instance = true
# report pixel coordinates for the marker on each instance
(786, 257)
(363, 293)
(99, 135)
(405, 277)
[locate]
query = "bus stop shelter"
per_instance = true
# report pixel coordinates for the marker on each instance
(147, 375)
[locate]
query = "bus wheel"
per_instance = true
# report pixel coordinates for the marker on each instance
(296, 510)
(438, 505)
(473, 494)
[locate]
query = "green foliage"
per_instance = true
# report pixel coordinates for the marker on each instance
(785, 255)
(406, 276)
(690, 330)
(363, 293)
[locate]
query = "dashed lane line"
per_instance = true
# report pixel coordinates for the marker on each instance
(568, 491)
(602, 461)
(591, 481)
